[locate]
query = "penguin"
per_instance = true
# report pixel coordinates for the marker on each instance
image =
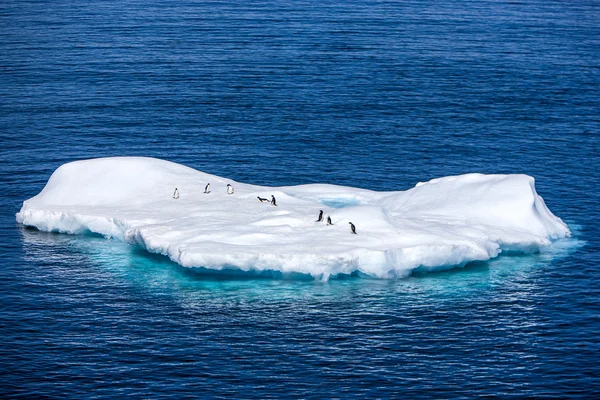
(229, 189)
(176, 194)
(329, 220)
(320, 219)
(262, 199)
(352, 228)
(273, 201)
(207, 188)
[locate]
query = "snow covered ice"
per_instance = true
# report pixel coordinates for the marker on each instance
(439, 224)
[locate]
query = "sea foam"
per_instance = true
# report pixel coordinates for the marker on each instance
(439, 224)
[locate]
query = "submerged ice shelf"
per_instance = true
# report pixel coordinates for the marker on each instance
(438, 224)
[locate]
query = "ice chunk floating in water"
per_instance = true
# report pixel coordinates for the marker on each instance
(438, 224)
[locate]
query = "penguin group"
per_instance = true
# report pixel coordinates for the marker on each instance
(320, 218)
(329, 222)
(206, 190)
(273, 202)
(230, 191)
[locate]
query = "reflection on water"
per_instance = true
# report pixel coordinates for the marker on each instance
(104, 305)
(114, 259)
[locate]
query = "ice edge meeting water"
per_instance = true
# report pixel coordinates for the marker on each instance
(440, 224)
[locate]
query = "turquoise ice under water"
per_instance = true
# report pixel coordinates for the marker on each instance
(367, 94)
(340, 202)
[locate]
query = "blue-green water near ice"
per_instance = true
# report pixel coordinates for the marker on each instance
(372, 94)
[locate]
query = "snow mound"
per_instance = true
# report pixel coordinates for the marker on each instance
(439, 224)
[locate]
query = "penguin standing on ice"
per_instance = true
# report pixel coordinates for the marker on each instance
(176, 194)
(352, 228)
(320, 219)
(262, 199)
(207, 188)
(229, 189)
(273, 201)
(329, 220)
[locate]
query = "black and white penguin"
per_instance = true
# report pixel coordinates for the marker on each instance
(329, 220)
(176, 194)
(273, 201)
(262, 199)
(229, 189)
(320, 219)
(207, 189)
(352, 228)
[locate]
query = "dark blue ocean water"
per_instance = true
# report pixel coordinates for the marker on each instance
(373, 94)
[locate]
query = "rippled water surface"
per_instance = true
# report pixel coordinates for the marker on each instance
(372, 94)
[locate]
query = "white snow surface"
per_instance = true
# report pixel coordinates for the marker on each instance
(439, 224)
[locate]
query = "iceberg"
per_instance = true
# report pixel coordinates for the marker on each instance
(440, 224)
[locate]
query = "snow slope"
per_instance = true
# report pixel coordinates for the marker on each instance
(438, 224)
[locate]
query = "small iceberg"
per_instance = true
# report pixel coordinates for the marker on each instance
(440, 224)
